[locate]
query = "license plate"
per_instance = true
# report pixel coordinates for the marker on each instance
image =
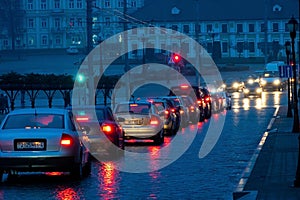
(25, 145)
(134, 122)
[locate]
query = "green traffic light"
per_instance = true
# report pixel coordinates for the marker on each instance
(80, 78)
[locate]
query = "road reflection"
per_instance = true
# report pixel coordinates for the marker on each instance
(107, 176)
(67, 194)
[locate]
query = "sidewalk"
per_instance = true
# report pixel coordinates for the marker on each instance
(272, 169)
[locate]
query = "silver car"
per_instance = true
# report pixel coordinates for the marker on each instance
(140, 120)
(43, 140)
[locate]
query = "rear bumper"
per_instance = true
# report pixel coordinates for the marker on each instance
(141, 132)
(37, 164)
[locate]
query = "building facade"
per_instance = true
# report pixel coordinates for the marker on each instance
(226, 28)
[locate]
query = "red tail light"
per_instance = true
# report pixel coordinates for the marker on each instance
(82, 119)
(107, 128)
(66, 140)
(207, 99)
(173, 110)
(154, 120)
(199, 101)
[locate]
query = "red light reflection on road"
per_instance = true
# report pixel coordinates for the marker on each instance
(108, 183)
(67, 194)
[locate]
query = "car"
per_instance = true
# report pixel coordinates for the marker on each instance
(72, 50)
(182, 109)
(194, 93)
(206, 100)
(104, 130)
(171, 124)
(233, 85)
(140, 120)
(271, 81)
(43, 140)
(252, 89)
(193, 108)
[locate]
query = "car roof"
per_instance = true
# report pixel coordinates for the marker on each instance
(87, 107)
(38, 111)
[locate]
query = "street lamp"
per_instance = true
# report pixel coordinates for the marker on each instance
(288, 52)
(293, 26)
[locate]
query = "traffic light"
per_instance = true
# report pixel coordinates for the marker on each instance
(80, 78)
(176, 58)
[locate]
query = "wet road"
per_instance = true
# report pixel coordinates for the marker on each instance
(213, 177)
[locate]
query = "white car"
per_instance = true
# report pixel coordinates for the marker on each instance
(72, 50)
(140, 120)
(43, 140)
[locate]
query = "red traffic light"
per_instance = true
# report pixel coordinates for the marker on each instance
(176, 58)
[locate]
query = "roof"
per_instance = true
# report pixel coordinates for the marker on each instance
(38, 110)
(215, 10)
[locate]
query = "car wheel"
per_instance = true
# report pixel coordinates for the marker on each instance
(159, 138)
(201, 118)
(77, 171)
(1, 175)
(88, 166)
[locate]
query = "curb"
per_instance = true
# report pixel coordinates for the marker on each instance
(239, 193)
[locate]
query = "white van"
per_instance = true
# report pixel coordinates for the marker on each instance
(273, 66)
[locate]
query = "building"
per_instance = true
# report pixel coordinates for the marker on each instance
(228, 28)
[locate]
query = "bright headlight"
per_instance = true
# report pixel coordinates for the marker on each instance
(263, 82)
(246, 91)
(276, 82)
(258, 90)
(235, 85)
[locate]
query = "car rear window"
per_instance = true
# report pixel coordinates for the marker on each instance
(32, 121)
(133, 108)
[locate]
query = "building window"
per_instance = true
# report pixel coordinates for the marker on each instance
(44, 23)
(262, 27)
(224, 47)
(31, 41)
(56, 3)
(120, 3)
(29, 4)
(197, 28)
(71, 3)
(209, 28)
(43, 4)
(251, 28)
(107, 4)
(186, 28)
(79, 22)
(79, 3)
(57, 40)
(5, 43)
(209, 47)
(275, 27)
(71, 22)
(174, 27)
(251, 47)
(44, 40)
(133, 3)
(224, 28)
(239, 28)
(107, 21)
(57, 23)
(30, 23)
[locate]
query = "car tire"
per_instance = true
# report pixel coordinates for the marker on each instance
(77, 171)
(1, 175)
(159, 138)
(88, 166)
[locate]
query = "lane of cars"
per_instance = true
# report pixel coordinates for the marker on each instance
(66, 140)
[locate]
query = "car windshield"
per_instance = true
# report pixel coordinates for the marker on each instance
(133, 108)
(32, 121)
